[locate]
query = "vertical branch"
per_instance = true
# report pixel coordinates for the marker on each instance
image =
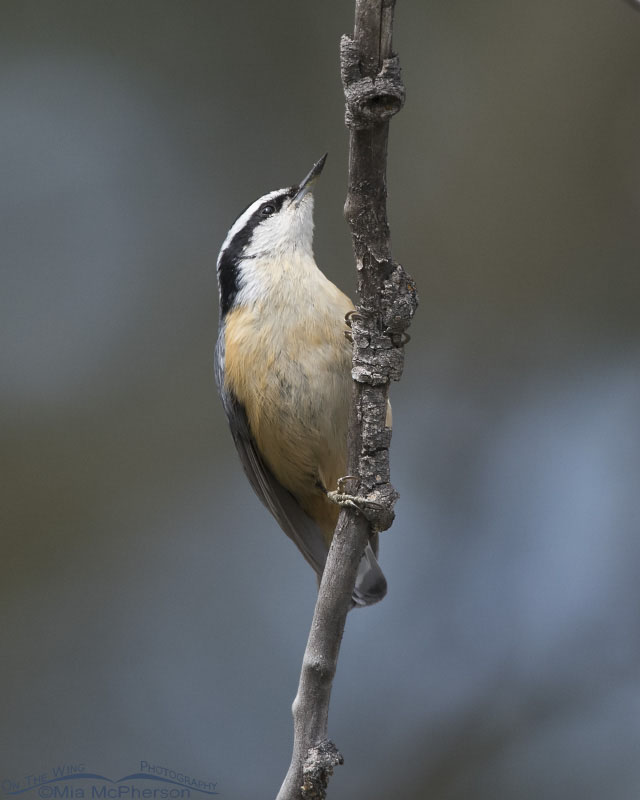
(387, 301)
(387, 297)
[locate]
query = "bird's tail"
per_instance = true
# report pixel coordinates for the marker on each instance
(371, 585)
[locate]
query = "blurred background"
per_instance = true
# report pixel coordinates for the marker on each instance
(151, 609)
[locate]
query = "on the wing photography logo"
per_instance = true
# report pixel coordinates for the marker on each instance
(70, 781)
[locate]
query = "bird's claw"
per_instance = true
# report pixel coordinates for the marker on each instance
(351, 315)
(340, 483)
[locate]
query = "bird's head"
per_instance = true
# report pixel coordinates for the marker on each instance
(275, 228)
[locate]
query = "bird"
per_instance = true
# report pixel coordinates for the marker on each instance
(283, 372)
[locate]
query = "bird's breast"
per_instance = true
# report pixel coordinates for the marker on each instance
(289, 365)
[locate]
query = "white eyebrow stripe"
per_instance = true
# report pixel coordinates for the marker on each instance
(242, 220)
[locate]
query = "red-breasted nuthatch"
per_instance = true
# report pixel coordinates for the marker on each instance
(283, 369)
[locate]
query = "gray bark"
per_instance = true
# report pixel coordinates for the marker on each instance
(387, 301)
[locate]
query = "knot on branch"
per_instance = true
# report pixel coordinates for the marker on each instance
(378, 355)
(318, 768)
(380, 506)
(369, 100)
(399, 303)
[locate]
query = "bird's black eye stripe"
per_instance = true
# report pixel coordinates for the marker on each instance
(228, 272)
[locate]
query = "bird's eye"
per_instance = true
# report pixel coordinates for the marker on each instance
(268, 210)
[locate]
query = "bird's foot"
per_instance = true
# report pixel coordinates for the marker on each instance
(348, 319)
(343, 499)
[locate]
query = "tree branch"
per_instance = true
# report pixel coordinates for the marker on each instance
(387, 301)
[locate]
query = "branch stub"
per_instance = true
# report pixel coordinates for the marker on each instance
(369, 100)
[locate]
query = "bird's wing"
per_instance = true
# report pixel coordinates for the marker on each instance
(298, 525)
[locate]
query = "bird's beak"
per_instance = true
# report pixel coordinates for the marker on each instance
(307, 183)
